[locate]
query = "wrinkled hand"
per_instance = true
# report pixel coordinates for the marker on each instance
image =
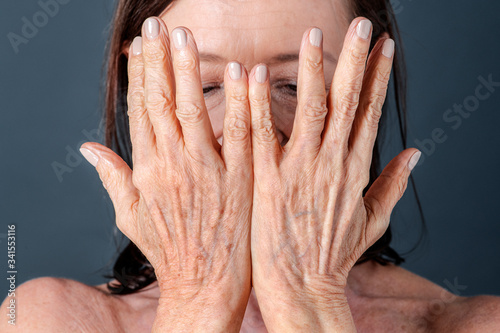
(310, 221)
(187, 203)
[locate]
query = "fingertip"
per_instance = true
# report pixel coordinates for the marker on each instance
(388, 48)
(136, 46)
(89, 155)
(414, 159)
(154, 32)
(404, 162)
(355, 22)
(316, 37)
(95, 152)
(234, 70)
(260, 73)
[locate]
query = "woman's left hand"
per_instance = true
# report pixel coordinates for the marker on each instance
(310, 221)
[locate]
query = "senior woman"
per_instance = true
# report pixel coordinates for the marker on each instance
(252, 196)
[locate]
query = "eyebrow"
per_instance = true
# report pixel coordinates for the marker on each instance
(280, 58)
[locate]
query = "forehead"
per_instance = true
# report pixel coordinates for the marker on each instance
(253, 30)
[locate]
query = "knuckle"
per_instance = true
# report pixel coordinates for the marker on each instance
(316, 108)
(357, 57)
(189, 113)
(263, 127)
(237, 129)
(237, 104)
(259, 100)
(110, 183)
(135, 71)
(313, 65)
(398, 183)
(157, 102)
(186, 64)
(155, 55)
(139, 179)
(135, 100)
(238, 96)
(381, 77)
(347, 103)
(401, 184)
(373, 114)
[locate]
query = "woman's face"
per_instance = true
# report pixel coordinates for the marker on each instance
(259, 31)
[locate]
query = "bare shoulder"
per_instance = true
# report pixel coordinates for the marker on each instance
(473, 314)
(416, 304)
(447, 310)
(49, 304)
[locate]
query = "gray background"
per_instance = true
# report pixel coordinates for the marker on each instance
(49, 101)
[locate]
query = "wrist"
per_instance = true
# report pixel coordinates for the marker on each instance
(288, 307)
(214, 310)
(307, 314)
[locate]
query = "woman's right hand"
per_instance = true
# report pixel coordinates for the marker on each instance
(187, 203)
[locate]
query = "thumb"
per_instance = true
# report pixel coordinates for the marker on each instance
(116, 177)
(388, 188)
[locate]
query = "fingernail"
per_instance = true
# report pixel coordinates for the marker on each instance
(261, 74)
(388, 48)
(414, 160)
(363, 29)
(315, 37)
(152, 28)
(137, 46)
(180, 38)
(89, 156)
(235, 70)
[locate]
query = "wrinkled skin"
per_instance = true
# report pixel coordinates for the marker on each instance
(190, 203)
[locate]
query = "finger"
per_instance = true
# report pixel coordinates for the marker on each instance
(237, 146)
(266, 149)
(365, 125)
(387, 189)
(141, 130)
(159, 84)
(311, 95)
(191, 110)
(116, 178)
(343, 97)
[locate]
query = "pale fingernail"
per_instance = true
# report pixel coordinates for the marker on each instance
(363, 29)
(89, 156)
(180, 38)
(235, 70)
(152, 28)
(414, 160)
(261, 74)
(315, 37)
(137, 46)
(388, 48)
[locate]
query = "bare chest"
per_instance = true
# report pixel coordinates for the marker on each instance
(377, 315)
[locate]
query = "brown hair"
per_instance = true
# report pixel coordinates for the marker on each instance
(131, 269)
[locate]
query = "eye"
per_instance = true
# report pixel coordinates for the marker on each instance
(289, 89)
(211, 89)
